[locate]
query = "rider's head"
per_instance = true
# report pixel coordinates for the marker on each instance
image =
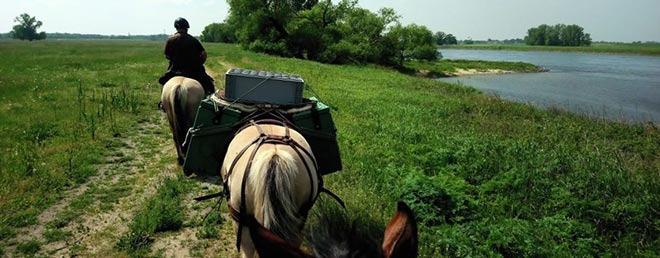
(181, 24)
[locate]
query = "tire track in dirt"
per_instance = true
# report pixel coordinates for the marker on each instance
(130, 175)
(95, 233)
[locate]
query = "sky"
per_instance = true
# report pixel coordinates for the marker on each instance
(605, 20)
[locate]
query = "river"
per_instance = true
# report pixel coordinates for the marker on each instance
(617, 87)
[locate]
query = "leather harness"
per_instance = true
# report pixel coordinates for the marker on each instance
(241, 216)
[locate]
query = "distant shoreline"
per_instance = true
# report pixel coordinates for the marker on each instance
(456, 68)
(649, 49)
(470, 72)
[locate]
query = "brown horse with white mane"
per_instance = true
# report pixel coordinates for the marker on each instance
(270, 175)
(181, 97)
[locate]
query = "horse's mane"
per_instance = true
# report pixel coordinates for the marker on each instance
(333, 234)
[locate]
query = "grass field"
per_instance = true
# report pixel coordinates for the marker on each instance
(82, 142)
(62, 107)
(614, 48)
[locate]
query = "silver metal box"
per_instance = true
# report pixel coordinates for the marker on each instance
(263, 87)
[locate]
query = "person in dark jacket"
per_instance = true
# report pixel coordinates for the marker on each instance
(187, 57)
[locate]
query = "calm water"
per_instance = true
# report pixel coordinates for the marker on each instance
(618, 87)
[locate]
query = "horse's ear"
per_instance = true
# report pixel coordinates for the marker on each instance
(401, 234)
(269, 245)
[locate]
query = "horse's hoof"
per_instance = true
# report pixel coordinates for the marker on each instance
(187, 172)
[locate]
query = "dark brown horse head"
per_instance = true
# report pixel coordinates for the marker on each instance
(400, 240)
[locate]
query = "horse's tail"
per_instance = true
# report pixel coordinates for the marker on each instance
(275, 192)
(178, 102)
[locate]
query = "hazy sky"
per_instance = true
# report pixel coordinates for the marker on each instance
(609, 20)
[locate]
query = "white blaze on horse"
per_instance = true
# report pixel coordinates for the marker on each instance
(271, 177)
(180, 98)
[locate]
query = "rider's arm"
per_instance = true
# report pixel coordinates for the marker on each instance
(203, 56)
(168, 50)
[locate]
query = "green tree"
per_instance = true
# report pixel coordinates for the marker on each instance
(536, 36)
(26, 29)
(325, 31)
(413, 42)
(218, 32)
(573, 35)
(261, 24)
(362, 36)
(442, 38)
(318, 28)
(552, 35)
(439, 38)
(558, 35)
(450, 40)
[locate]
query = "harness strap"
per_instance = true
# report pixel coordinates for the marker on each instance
(241, 216)
(246, 174)
(234, 214)
(210, 196)
(334, 196)
(312, 197)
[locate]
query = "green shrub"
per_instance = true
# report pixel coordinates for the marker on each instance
(438, 199)
(161, 213)
(29, 248)
(210, 224)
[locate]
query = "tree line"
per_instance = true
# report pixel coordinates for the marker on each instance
(27, 26)
(557, 35)
(323, 31)
(154, 37)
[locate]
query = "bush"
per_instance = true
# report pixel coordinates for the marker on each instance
(437, 200)
(29, 248)
(426, 52)
(161, 213)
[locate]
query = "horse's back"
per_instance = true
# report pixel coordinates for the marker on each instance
(182, 81)
(191, 88)
(245, 139)
(246, 136)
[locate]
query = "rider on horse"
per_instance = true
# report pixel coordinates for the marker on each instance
(187, 57)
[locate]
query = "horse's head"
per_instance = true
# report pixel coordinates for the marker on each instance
(400, 240)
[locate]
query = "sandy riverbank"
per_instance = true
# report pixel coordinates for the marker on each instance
(467, 72)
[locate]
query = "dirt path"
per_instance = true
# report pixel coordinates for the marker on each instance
(91, 218)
